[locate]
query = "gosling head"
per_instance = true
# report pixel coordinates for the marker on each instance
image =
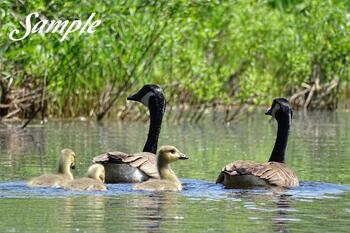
(97, 172)
(68, 157)
(280, 109)
(146, 93)
(169, 154)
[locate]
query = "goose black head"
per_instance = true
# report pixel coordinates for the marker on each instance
(280, 108)
(147, 92)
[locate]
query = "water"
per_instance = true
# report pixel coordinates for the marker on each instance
(318, 152)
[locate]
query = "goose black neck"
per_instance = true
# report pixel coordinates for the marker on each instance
(156, 110)
(278, 152)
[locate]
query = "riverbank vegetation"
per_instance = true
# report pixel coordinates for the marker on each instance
(204, 54)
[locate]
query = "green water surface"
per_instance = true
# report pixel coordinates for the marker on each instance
(318, 151)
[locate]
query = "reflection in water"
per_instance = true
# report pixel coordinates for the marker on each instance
(273, 203)
(283, 208)
(81, 213)
(200, 206)
(152, 209)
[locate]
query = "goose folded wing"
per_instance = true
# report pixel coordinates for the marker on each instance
(276, 174)
(110, 157)
(236, 168)
(146, 162)
(272, 172)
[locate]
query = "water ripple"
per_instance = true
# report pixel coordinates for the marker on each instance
(193, 189)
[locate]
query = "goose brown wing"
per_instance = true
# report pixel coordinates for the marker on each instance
(146, 162)
(276, 174)
(239, 167)
(110, 157)
(272, 172)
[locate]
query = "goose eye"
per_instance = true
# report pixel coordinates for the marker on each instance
(172, 151)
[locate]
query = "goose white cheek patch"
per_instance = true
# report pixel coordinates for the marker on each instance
(145, 98)
(275, 109)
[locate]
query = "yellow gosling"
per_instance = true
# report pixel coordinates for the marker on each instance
(64, 175)
(94, 180)
(168, 180)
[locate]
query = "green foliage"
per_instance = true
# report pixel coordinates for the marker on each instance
(246, 51)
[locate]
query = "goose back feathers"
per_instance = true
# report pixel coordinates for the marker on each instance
(121, 167)
(245, 174)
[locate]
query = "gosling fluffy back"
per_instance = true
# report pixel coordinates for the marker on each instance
(94, 180)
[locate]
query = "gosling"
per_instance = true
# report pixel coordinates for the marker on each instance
(94, 180)
(64, 175)
(168, 180)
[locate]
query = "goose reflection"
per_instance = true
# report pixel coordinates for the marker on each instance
(275, 201)
(83, 214)
(281, 215)
(153, 209)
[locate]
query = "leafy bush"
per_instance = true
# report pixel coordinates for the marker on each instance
(223, 51)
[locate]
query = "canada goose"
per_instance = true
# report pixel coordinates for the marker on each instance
(168, 180)
(94, 180)
(64, 174)
(121, 167)
(243, 174)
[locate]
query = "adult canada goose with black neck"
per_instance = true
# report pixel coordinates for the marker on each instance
(121, 167)
(245, 174)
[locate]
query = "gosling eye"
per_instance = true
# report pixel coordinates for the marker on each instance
(172, 151)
